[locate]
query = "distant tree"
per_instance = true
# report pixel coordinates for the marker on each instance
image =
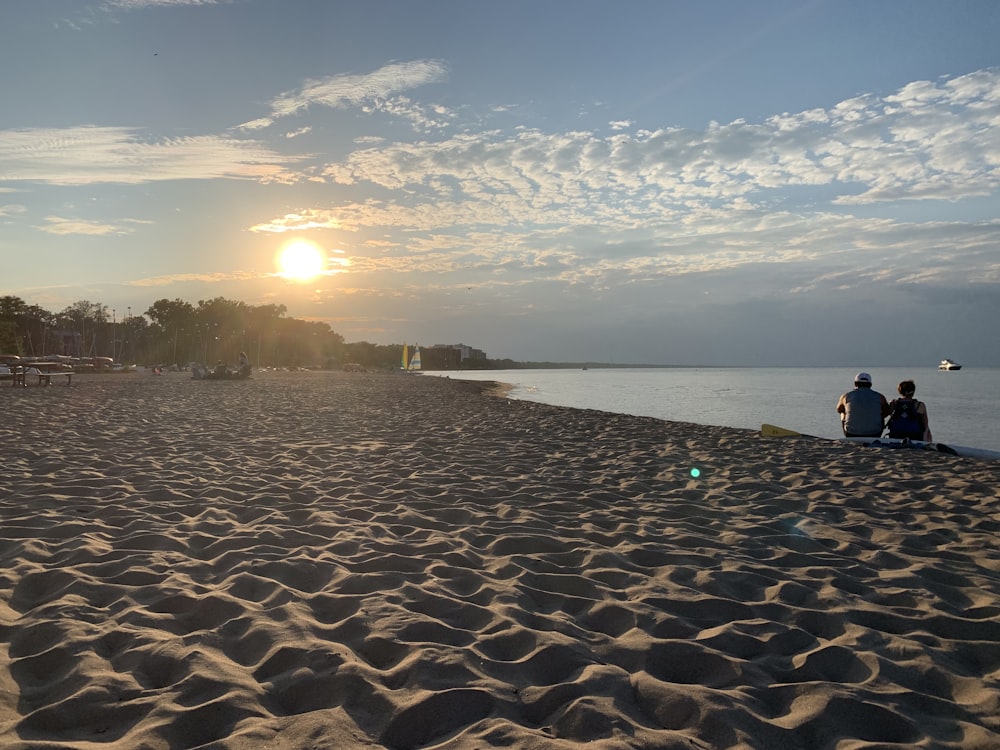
(11, 307)
(90, 320)
(8, 337)
(12, 312)
(261, 332)
(376, 356)
(137, 340)
(173, 331)
(38, 324)
(169, 313)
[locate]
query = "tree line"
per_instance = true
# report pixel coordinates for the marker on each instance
(175, 332)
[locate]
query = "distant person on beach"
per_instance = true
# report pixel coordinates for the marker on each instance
(907, 416)
(863, 411)
(220, 368)
(244, 364)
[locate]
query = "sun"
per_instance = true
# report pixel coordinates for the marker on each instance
(301, 260)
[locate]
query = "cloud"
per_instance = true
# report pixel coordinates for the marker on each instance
(89, 155)
(208, 278)
(12, 209)
(61, 226)
(581, 209)
(258, 124)
(931, 141)
(299, 222)
(377, 91)
(140, 4)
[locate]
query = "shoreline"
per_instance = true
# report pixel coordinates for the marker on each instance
(358, 560)
(964, 411)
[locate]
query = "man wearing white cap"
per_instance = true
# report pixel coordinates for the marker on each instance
(863, 411)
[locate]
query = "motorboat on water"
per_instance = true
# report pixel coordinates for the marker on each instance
(947, 364)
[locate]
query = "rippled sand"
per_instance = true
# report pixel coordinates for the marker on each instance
(329, 560)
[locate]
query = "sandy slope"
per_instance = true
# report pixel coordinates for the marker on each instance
(319, 560)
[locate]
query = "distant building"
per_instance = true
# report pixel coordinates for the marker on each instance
(449, 356)
(468, 353)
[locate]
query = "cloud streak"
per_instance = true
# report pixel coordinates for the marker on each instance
(90, 155)
(62, 226)
(376, 91)
(112, 5)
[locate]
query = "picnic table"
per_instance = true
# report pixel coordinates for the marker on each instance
(44, 371)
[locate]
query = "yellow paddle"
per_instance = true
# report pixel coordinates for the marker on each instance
(770, 430)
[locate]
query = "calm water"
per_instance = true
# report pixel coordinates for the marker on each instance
(964, 406)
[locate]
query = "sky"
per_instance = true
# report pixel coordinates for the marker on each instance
(721, 182)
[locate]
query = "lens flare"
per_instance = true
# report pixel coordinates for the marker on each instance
(695, 472)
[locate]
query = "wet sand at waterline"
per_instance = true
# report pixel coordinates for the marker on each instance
(334, 560)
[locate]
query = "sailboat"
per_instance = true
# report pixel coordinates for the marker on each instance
(415, 359)
(406, 356)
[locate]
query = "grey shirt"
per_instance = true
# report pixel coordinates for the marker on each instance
(863, 412)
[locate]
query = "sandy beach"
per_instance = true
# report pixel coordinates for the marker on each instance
(339, 560)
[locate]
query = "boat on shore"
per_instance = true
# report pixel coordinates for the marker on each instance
(947, 364)
(411, 363)
(220, 372)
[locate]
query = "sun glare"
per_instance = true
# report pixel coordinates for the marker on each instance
(301, 260)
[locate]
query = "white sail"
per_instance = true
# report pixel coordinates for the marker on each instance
(415, 359)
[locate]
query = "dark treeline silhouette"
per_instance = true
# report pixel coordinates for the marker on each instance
(175, 332)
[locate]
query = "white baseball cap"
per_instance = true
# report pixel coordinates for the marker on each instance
(863, 377)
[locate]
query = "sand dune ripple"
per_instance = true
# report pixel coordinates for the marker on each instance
(327, 560)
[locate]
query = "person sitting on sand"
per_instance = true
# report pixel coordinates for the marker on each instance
(244, 364)
(863, 411)
(908, 417)
(220, 368)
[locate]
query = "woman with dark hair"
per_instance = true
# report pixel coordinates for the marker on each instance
(908, 417)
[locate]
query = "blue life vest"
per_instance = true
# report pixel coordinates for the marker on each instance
(905, 421)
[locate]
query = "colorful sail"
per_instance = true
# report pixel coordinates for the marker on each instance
(406, 357)
(415, 359)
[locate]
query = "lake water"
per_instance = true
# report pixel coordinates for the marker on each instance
(963, 406)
